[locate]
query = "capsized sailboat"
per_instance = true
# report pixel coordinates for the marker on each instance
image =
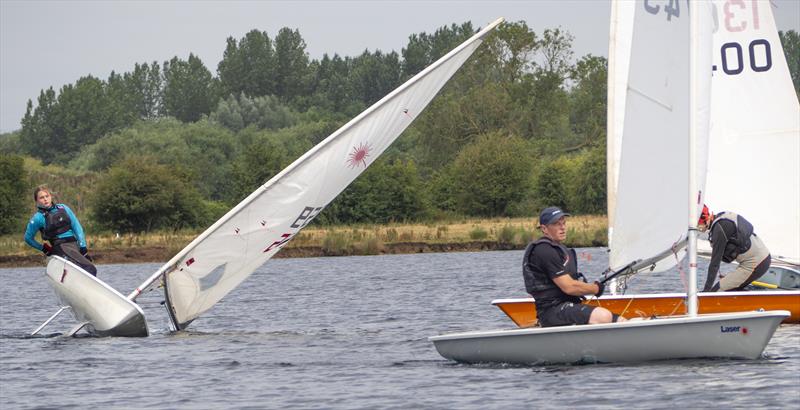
(97, 307)
(753, 166)
(667, 99)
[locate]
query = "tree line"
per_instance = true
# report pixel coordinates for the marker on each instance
(171, 145)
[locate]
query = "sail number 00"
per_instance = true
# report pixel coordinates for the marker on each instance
(733, 57)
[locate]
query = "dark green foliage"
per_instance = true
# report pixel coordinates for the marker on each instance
(588, 100)
(189, 89)
(82, 113)
(373, 75)
(590, 183)
(10, 143)
(291, 65)
(491, 174)
(204, 150)
(256, 164)
(13, 197)
(388, 191)
(551, 186)
(248, 67)
(423, 49)
(265, 112)
(140, 195)
(541, 113)
(791, 49)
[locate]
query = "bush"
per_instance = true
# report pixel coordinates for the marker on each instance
(12, 194)
(491, 174)
(140, 195)
(386, 192)
(478, 233)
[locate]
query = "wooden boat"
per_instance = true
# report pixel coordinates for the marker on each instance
(523, 311)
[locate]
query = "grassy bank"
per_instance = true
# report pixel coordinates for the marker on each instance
(465, 234)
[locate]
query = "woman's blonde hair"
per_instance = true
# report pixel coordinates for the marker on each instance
(41, 188)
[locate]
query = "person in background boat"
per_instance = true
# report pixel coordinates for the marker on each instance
(61, 231)
(551, 275)
(732, 239)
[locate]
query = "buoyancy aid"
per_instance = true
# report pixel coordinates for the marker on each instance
(740, 242)
(56, 222)
(538, 283)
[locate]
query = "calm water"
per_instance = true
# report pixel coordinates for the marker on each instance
(350, 332)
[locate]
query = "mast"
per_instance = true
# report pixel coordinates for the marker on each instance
(691, 302)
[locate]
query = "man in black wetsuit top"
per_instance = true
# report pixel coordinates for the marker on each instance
(550, 270)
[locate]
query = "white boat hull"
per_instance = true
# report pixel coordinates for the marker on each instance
(91, 300)
(729, 335)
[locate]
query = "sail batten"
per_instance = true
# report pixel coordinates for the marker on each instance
(258, 227)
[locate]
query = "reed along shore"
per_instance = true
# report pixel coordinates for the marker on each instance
(462, 235)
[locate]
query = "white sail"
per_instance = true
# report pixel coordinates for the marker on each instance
(251, 233)
(651, 207)
(619, 54)
(754, 156)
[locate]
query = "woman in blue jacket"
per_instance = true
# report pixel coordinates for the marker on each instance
(60, 227)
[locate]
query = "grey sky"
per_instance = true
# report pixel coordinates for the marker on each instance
(52, 43)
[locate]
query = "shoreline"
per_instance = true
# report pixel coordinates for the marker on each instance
(466, 235)
(163, 254)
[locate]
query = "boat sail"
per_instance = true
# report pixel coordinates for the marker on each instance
(228, 252)
(667, 98)
(754, 160)
(754, 114)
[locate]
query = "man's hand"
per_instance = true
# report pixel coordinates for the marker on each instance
(600, 288)
(47, 249)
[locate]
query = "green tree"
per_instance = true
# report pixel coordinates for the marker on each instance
(140, 195)
(258, 162)
(589, 192)
(551, 185)
(791, 49)
(491, 174)
(588, 100)
(204, 151)
(146, 86)
(12, 194)
(373, 75)
(331, 88)
(291, 65)
(388, 191)
(423, 49)
(266, 112)
(60, 126)
(189, 89)
(248, 66)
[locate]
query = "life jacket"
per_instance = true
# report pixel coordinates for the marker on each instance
(739, 243)
(538, 283)
(55, 223)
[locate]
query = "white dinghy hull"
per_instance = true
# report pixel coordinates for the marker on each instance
(91, 300)
(730, 335)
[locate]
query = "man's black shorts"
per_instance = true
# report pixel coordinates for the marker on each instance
(566, 313)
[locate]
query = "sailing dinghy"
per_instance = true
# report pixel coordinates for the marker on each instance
(97, 307)
(665, 140)
(755, 115)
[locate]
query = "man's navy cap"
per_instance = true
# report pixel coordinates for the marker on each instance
(550, 215)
